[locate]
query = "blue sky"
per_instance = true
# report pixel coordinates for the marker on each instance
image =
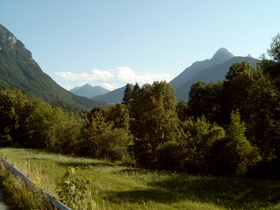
(113, 42)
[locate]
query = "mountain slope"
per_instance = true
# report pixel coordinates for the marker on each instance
(18, 69)
(221, 56)
(114, 96)
(211, 74)
(89, 91)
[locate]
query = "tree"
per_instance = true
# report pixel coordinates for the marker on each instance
(91, 133)
(154, 121)
(68, 134)
(100, 140)
(44, 126)
(274, 50)
(119, 115)
(239, 88)
(200, 137)
(235, 154)
(135, 91)
(272, 67)
(190, 154)
(127, 94)
(207, 100)
(182, 110)
(14, 111)
(251, 92)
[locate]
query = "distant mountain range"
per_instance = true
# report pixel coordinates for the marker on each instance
(89, 91)
(219, 57)
(114, 96)
(19, 70)
(210, 70)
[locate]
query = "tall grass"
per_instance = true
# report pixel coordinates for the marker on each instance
(115, 186)
(21, 194)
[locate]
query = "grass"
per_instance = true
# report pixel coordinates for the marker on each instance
(21, 194)
(115, 186)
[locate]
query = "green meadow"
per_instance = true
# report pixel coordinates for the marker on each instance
(117, 186)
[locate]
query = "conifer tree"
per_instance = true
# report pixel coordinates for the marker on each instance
(127, 94)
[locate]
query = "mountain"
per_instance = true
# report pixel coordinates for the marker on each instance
(209, 74)
(114, 96)
(18, 69)
(221, 56)
(89, 91)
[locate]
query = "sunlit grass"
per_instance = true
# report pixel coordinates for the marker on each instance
(115, 186)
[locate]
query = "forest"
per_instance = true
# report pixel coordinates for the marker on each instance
(229, 128)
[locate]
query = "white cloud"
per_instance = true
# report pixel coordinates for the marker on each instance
(115, 78)
(126, 74)
(94, 75)
(108, 86)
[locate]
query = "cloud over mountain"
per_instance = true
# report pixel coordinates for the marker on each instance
(114, 78)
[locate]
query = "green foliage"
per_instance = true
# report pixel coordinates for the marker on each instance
(4, 86)
(171, 156)
(236, 154)
(5, 141)
(207, 100)
(255, 96)
(274, 50)
(182, 108)
(119, 115)
(199, 140)
(135, 91)
(154, 121)
(46, 126)
(22, 194)
(272, 67)
(127, 95)
(100, 139)
(29, 122)
(254, 93)
(75, 192)
(14, 111)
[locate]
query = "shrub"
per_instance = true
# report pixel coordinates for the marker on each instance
(170, 156)
(234, 154)
(74, 192)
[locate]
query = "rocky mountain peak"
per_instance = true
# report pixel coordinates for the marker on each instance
(221, 56)
(89, 91)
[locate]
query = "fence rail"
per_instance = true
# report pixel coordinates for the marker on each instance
(52, 199)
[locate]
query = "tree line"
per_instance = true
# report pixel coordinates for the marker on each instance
(227, 128)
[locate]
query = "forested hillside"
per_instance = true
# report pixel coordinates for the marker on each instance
(18, 69)
(229, 128)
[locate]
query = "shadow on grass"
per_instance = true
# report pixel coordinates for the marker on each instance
(85, 165)
(140, 196)
(237, 193)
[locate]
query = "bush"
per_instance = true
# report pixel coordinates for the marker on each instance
(5, 141)
(200, 138)
(234, 154)
(75, 192)
(170, 156)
